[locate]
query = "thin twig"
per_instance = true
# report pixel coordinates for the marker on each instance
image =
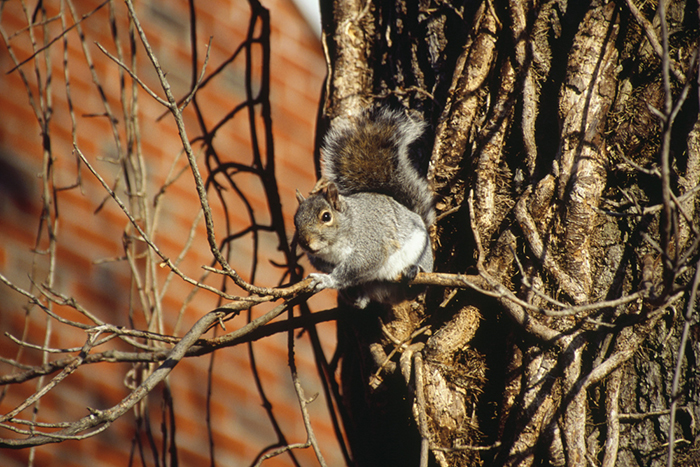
(649, 31)
(166, 261)
(89, 343)
(133, 75)
(301, 398)
(98, 418)
(51, 42)
(199, 183)
(421, 408)
(675, 393)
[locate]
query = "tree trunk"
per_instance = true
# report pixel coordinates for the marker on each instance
(565, 158)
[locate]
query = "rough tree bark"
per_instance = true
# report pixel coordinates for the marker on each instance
(565, 157)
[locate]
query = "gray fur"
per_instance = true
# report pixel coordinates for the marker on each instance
(367, 223)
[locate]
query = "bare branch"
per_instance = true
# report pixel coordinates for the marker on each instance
(98, 418)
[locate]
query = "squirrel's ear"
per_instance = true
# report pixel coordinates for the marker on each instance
(333, 197)
(321, 183)
(300, 197)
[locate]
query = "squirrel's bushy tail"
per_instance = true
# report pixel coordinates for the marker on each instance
(375, 151)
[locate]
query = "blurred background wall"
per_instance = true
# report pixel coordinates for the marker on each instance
(91, 231)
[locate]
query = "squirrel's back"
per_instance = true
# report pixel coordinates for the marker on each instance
(375, 152)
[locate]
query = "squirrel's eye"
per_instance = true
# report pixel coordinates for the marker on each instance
(325, 216)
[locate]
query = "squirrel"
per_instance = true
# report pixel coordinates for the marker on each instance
(366, 221)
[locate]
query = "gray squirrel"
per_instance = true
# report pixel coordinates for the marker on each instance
(366, 221)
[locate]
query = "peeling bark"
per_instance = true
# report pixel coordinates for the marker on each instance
(544, 156)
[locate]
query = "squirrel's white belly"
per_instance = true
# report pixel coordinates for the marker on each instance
(407, 255)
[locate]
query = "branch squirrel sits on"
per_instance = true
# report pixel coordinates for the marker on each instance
(366, 221)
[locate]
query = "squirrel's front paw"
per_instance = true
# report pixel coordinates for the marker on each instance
(322, 281)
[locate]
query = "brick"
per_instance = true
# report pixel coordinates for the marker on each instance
(240, 425)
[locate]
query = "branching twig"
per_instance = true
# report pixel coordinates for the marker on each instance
(166, 261)
(301, 398)
(650, 33)
(199, 183)
(675, 393)
(99, 418)
(92, 337)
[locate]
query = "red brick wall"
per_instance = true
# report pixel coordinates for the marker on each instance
(90, 243)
